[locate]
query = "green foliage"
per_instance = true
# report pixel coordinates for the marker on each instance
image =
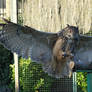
(5, 60)
(12, 76)
(32, 78)
(82, 81)
(20, 19)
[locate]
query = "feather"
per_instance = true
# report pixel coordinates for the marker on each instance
(83, 53)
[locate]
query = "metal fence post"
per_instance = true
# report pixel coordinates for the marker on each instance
(14, 17)
(89, 81)
(74, 82)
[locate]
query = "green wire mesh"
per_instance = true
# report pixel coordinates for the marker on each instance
(33, 79)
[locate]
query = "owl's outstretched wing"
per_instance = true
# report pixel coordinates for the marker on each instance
(27, 42)
(83, 53)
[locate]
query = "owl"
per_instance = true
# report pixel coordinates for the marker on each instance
(57, 52)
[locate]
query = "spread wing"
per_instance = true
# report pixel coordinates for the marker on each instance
(83, 53)
(27, 42)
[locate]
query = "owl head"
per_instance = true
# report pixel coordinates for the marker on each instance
(70, 32)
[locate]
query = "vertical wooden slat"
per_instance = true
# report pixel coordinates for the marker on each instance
(14, 18)
(14, 11)
(7, 9)
(1, 10)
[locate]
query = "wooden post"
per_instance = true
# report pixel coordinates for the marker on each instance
(14, 17)
(14, 11)
(7, 9)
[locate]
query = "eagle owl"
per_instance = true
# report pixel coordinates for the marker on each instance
(55, 51)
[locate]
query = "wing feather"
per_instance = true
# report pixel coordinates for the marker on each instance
(27, 42)
(83, 53)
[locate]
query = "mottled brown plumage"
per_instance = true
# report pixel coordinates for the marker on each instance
(59, 61)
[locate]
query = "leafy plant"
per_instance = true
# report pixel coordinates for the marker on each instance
(5, 61)
(82, 81)
(32, 78)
